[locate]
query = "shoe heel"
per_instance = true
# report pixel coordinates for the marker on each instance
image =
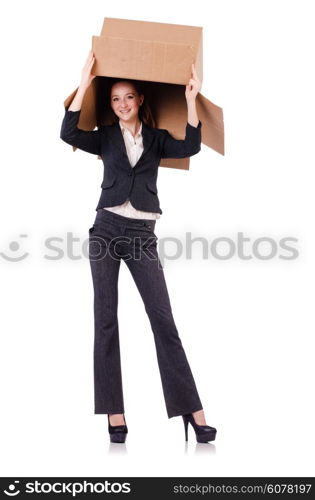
(204, 433)
(186, 427)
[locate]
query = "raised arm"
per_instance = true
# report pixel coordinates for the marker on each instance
(88, 141)
(191, 145)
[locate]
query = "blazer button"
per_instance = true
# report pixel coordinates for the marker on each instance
(130, 174)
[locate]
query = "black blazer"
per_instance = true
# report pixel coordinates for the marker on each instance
(120, 179)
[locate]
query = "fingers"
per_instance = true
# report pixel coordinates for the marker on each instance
(193, 83)
(194, 80)
(90, 56)
(194, 72)
(90, 60)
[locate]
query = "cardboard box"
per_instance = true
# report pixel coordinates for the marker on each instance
(160, 55)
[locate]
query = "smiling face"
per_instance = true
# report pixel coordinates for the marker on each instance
(125, 101)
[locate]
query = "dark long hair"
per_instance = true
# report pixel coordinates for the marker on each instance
(104, 113)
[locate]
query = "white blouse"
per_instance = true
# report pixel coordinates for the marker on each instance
(134, 147)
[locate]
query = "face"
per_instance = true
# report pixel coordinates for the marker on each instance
(125, 101)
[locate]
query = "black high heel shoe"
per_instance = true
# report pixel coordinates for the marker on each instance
(204, 433)
(117, 433)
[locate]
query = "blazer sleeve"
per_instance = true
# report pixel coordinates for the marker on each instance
(88, 141)
(177, 148)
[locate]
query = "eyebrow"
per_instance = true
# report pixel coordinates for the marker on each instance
(128, 93)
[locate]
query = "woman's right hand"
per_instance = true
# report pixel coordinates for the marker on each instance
(86, 76)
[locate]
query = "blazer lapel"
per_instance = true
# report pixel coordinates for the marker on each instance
(147, 137)
(119, 143)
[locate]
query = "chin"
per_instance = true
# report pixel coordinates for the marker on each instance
(128, 117)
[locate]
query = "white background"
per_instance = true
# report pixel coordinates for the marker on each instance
(247, 325)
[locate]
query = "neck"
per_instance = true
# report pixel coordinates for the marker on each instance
(132, 126)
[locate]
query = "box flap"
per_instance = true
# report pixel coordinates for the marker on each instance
(211, 117)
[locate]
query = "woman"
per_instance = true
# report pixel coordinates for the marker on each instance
(124, 230)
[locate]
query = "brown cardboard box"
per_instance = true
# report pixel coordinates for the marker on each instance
(161, 56)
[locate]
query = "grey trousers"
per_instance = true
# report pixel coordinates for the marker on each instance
(113, 238)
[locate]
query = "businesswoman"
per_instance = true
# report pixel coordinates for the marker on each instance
(128, 208)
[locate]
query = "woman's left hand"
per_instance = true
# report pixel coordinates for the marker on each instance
(193, 86)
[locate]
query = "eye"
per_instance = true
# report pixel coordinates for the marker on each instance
(130, 96)
(115, 98)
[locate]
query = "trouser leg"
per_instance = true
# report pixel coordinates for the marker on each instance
(179, 388)
(108, 390)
